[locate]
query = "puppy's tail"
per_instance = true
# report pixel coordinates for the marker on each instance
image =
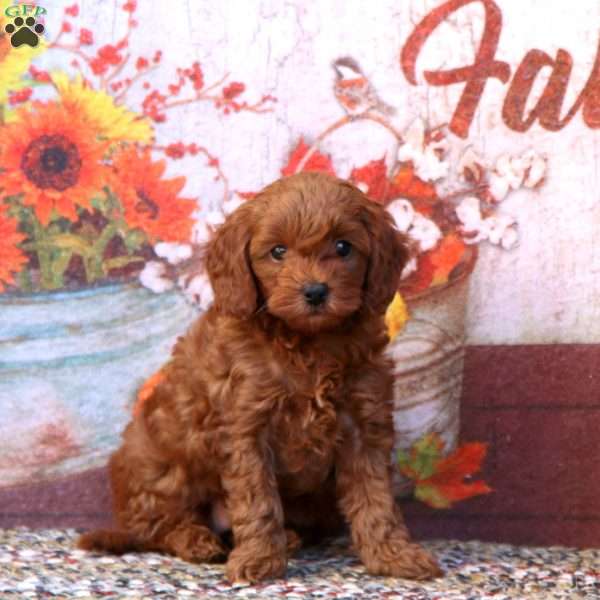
(115, 542)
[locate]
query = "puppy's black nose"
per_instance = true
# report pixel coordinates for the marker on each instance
(315, 293)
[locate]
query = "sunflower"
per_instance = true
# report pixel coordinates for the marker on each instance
(115, 123)
(150, 203)
(53, 157)
(13, 61)
(11, 257)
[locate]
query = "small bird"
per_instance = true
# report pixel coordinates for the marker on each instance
(354, 91)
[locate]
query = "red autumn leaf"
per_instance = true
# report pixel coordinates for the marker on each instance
(374, 176)
(447, 484)
(411, 187)
(316, 162)
(440, 481)
(421, 279)
(424, 207)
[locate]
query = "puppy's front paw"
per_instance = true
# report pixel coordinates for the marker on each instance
(398, 558)
(246, 564)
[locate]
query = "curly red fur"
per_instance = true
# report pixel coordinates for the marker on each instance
(274, 417)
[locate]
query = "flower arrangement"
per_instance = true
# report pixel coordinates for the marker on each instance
(83, 192)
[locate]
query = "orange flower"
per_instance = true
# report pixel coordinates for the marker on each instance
(11, 257)
(52, 157)
(151, 203)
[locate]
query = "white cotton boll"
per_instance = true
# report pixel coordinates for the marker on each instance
(429, 167)
(496, 227)
(425, 232)
(469, 213)
(152, 277)
(499, 187)
(201, 233)
(232, 204)
(198, 291)
(475, 236)
(440, 145)
(510, 238)
(414, 141)
(425, 158)
(409, 268)
(511, 169)
(470, 162)
(173, 253)
(215, 218)
(403, 214)
(536, 173)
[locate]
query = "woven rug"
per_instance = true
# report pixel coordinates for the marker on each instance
(44, 564)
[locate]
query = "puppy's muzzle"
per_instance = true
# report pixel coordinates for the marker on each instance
(315, 294)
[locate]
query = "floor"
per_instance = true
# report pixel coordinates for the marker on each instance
(44, 564)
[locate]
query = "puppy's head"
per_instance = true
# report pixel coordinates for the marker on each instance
(311, 249)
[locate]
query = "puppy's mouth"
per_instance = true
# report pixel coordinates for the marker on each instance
(312, 308)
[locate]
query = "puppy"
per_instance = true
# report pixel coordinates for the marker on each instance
(274, 416)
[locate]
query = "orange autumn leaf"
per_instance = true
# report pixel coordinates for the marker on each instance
(316, 162)
(445, 257)
(435, 267)
(374, 176)
(146, 391)
(411, 187)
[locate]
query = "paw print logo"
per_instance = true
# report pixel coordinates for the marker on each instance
(24, 32)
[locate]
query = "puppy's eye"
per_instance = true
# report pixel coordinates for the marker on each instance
(278, 252)
(343, 248)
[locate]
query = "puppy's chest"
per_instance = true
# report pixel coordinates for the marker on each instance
(304, 425)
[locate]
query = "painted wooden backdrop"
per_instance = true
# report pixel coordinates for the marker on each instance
(504, 78)
(544, 290)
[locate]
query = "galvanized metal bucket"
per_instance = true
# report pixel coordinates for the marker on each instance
(428, 360)
(70, 365)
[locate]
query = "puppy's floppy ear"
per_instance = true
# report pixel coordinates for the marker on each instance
(228, 264)
(389, 255)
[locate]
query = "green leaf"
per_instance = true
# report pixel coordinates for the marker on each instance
(425, 454)
(59, 266)
(62, 241)
(403, 458)
(25, 282)
(134, 239)
(121, 261)
(431, 496)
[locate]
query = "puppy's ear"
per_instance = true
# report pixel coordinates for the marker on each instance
(389, 255)
(228, 264)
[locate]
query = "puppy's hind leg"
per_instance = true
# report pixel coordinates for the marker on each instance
(155, 511)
